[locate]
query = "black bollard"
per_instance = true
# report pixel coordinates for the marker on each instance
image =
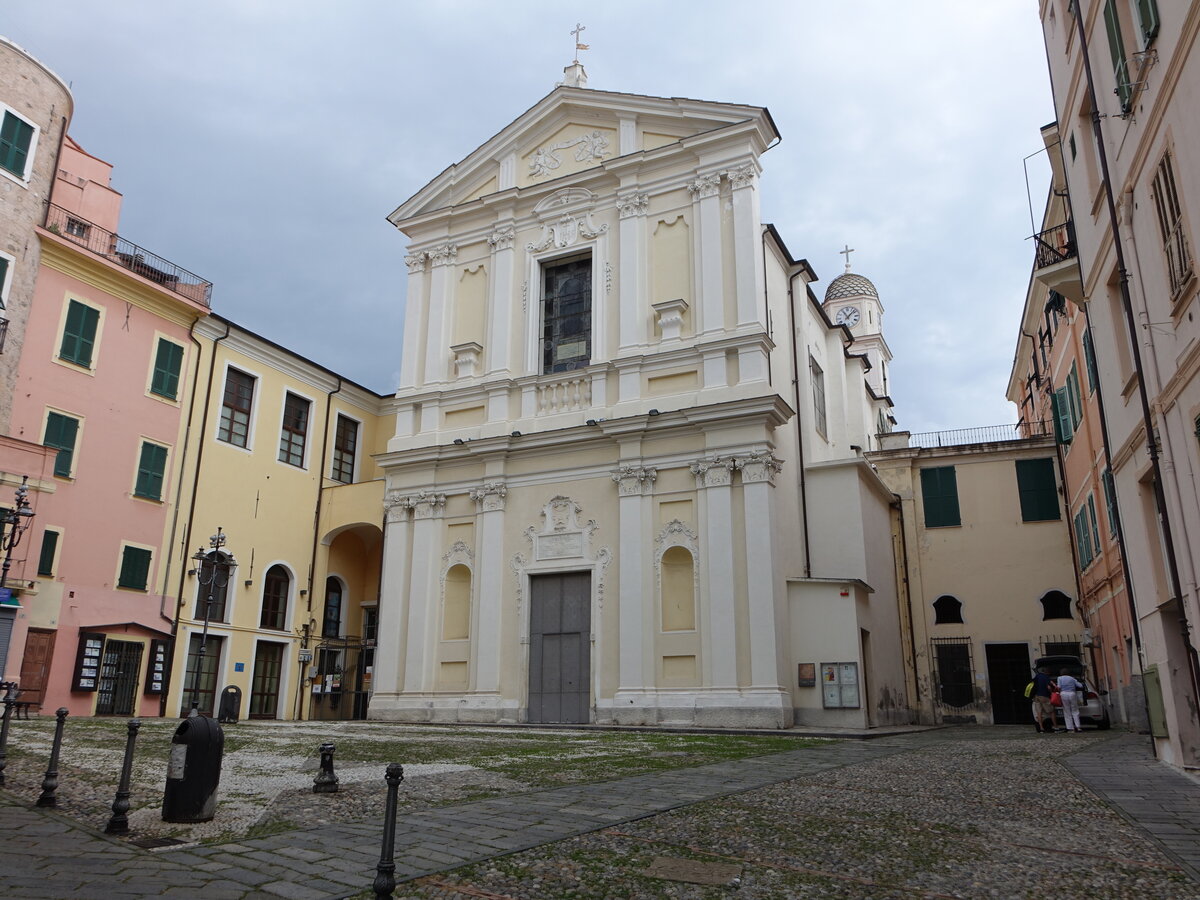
(10, 693)
(50, 782)
(119, 822)
(385, 872)
(326, 781)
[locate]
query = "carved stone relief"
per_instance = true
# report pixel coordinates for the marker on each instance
(742, 176)
(632, 204)
(443, 254)
(415, 262)
(759, 466)
(588, 148)
(502, 238)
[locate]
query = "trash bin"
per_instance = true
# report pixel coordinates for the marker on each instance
(194, 770)
(231, 705)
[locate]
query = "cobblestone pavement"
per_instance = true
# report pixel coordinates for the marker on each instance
(967, 812)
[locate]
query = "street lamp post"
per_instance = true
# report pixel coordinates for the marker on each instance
(214, 571)
(16, 521)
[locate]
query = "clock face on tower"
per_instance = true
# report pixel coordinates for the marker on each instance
(847, 315)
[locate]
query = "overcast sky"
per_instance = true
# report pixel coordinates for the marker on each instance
(261, 143)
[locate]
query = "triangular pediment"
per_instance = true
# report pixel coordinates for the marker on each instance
(571, 130)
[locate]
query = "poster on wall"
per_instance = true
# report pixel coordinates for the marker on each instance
(87, 661)
(839, 685)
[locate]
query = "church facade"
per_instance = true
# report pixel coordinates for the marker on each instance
(627, 483)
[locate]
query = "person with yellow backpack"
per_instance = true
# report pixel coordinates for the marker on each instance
(1038, 691)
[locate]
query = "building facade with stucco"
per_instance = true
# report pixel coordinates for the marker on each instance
(626, 483)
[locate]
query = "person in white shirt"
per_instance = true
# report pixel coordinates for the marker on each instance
(1071, 690)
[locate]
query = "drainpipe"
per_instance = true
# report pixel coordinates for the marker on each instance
(799, 429)
(1160, 499)
(898, 505)
(312, 562)
(187, 531)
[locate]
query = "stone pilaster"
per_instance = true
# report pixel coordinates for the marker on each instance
(706, 202)
(441, 297)
(714, 478)
(424, 590)
(763, 587)
(489, 506)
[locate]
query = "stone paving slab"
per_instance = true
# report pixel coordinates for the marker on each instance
(337, 862)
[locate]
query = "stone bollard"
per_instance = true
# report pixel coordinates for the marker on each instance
(385, 872)
(50, 782)
(119, 822)
(10, 694)
(326, 781)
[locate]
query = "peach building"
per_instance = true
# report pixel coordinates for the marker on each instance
(102, 380)
(1124, 77)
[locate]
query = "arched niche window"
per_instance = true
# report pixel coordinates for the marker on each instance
(456, 604)
(1055, 605)
(276, 586)
(678, 590)
(331, 625)
(947, 610)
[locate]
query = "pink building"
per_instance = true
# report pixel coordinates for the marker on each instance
(102, 378)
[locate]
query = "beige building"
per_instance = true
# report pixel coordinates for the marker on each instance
(277, 452)
(986, 557)
(626, 483)
(1125, 76)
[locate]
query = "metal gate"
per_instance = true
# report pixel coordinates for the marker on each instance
(342, 676)
(560, 648)
(119, 670)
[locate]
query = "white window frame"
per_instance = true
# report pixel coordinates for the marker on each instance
(30, 156)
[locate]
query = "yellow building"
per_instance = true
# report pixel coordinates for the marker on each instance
(278, 456)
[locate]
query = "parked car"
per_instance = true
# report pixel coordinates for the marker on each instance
(1092, 710)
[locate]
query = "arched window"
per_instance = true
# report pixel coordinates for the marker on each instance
(456, 611)
(332, 624)
(947, 610)
(678, 590)
(1056, 605)
(213, 579)
(275, 598)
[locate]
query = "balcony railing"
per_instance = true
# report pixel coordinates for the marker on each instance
(1055, 245)
(983, 435)
(127, 254)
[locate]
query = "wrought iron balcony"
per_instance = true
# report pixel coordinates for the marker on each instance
(127, 254)
(1055, 245)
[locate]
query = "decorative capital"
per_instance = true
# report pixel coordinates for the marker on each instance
(396, 507)
(705, 186)
(742, 176)
(632, 204)
(415, 262)
(502, 238)
(714, 471)
(632, 481)
(759, 466)
(442, 255)
(489, 497)
(426, 505)
(466, 358)
(670, 317)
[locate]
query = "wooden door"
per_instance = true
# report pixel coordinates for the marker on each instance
(35, 666)
(264, 687)
(560, 648)
(1008, 673)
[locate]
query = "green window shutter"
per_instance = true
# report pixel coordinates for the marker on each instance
(1061, 407)
(1038, 490)
(151, 466)
(135, 568)
(167, 364)
(61, 432)
(939, 491)
(1091, 507)
(15, 137)
(1089, 358)
(3, 275)
(79, 334)
(49, 547)
(1075, 397)
(1110, 500)
(1083, 542)
(1148, 19)
(1116, 48)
